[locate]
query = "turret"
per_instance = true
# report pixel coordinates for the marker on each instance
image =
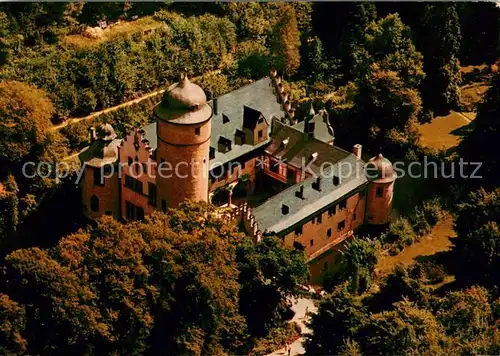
(184, 128)
(381, 175)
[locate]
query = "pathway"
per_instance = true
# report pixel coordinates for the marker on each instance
(116, 107)
(299, 307)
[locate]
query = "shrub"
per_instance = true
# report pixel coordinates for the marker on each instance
(400, 231)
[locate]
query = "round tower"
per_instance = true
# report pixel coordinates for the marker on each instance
(381, 175)
(183, 130)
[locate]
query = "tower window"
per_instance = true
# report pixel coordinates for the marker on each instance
(152, 193)
(94, 203)
(311, 243)
(197, 131)
(354, 216)
(298, 231)
(343, 205)
(329, 233)
(98, 177)
(380, 192)
(341, 225)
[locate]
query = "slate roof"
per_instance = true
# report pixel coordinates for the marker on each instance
(299, 150)
(100, 152)
(269, 216)
(258, 96)
(321, 128)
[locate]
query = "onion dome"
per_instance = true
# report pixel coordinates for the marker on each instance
(106, 132)
(184, 103)
(103, 149)
(379, 170)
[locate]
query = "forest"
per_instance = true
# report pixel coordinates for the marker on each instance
(381, 70)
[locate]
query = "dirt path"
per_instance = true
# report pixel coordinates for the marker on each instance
(300, 306)
(116, 107)
(436, 241)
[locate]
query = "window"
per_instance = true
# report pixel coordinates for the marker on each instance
(94, 203)
(341, 225)
(133, 212)
(332, 210)
(380, 192)
(130, 161)
(197, 131)
(225, 119)
(164, 205)
(274, 166)
(336, 180)
(260, 134)
(329, 233)
(129, 210)
(311, 243)
(152, 193)
(139, 213)
(134, 184)
(354, 217)
(343, 205)
(98, 177)
(261, 120)
(298, 231)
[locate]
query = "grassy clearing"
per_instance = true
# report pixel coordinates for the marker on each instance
(124, 28)
(441, 132)
(435, 242)
(472, 94)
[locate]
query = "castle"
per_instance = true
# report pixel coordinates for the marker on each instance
(247, 142)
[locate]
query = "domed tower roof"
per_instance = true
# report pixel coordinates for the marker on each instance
(184, 103)
(379, 170)
(106, 132)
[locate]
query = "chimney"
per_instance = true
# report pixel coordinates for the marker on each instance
(92, 133)
(300, 192)
(284, 209)
(317, 185)
(215, 106)
(357, 150)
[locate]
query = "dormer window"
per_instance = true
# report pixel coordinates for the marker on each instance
(239, 137)
(224, 144)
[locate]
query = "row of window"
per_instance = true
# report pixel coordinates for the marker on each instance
(340, 227)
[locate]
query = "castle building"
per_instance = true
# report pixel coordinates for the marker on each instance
(248, 141)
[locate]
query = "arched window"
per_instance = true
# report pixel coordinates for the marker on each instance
(94, 203)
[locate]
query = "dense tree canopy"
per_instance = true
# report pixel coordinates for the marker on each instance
(441, 37)
(25, 112)
(171, 284)
(285, 42)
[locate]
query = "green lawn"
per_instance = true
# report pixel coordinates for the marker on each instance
(443, 131)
